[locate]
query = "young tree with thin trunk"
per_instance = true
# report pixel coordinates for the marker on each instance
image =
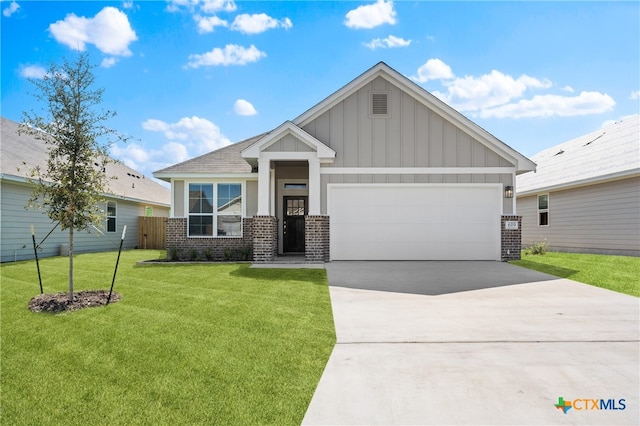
(71, 128)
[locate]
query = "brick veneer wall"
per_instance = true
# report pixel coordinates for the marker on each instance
(511, 239)
(180, 244)
(265, 238)
(316, 238)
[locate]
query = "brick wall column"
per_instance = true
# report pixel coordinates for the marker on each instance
(511, 238)
(316, 238)
(265, 238)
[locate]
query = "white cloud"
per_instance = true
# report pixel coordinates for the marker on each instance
(207, 24)
(205, 6)
(371, 15)
(586, 103)
(198, 133)
(33, 71)
(433, 69)
(145, 160)
(391, 41)
(109, 31)
(211, 6)
(108, 62)
(498, 95)
(243, 107)
(232, 54)
(635, 95)
(258, 23)
(473, 93)
(11, 9)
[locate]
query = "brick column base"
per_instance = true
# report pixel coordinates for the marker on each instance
(265, 238)
(316, 238)
(511, 238)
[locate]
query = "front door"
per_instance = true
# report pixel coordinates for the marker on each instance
(295, 208)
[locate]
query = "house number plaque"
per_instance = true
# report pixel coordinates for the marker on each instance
(511, 225)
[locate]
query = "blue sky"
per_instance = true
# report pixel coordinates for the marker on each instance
(189, 76)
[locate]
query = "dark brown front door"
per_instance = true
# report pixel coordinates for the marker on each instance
(295, 208)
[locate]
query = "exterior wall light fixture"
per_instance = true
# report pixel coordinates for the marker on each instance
(508, 191)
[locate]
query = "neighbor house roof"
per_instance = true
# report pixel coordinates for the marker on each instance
(227, 160)
(21, 153)
(607, 154)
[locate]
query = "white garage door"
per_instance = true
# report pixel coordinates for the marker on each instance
(414, 221)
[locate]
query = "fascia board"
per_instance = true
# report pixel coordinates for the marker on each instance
(289, 128)
(627, 174)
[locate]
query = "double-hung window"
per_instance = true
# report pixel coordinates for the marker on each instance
(111, 216)
(543, 210)
(223, 221)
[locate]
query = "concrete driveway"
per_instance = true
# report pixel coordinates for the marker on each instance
(476, 343)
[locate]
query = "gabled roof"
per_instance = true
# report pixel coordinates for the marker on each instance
(229, 160)
(18, 149)
(523, 164)
(606, 154)
(288, 128)
(222, 161)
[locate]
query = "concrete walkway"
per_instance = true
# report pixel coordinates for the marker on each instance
(475, 343)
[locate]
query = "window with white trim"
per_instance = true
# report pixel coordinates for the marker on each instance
(227, 216)
(543, 210)
(229, 210)
(112, 211)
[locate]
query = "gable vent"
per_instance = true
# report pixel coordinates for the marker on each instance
(379, 104)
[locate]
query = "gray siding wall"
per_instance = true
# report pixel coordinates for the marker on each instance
(411, 135)
(178, 198)
(15, 232)
(289, 143)
(601, 218)
(252, 198)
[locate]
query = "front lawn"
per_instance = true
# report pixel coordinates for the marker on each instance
(617, 273)
(187, 344)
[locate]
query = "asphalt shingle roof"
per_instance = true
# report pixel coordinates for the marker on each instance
(18, 149)
(223, 160)
(613, 151)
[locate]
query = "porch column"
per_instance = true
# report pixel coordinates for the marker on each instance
(264, 165)
(314, 187)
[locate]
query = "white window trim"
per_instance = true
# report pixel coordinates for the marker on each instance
(243, 189)
(115, 218)
(542, 210)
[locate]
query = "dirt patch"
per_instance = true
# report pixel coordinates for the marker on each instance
(59, 302)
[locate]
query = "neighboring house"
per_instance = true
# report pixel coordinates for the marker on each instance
(380, 169)
(129, 196)
(585, 195)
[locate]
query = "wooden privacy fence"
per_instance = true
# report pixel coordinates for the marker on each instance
(152, 233)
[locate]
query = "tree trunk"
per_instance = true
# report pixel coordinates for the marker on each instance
(71, 264)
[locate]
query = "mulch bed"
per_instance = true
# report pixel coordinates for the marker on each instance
(59, 302)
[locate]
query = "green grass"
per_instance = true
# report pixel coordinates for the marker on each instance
(617, 273)
(187, 344)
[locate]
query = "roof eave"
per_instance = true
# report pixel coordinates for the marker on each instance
(626, 174)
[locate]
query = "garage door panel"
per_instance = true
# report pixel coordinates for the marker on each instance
(415, 222)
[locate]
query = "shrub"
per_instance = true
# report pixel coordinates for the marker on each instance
(208, 253)
(193, 254)
(244, 253)
(173, 254)
(538, 247)
(228, 254)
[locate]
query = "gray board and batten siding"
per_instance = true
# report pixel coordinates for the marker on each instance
(410, 135)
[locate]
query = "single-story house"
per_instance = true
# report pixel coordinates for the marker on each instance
(379, 170)
(585, 194)
(129, 196)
